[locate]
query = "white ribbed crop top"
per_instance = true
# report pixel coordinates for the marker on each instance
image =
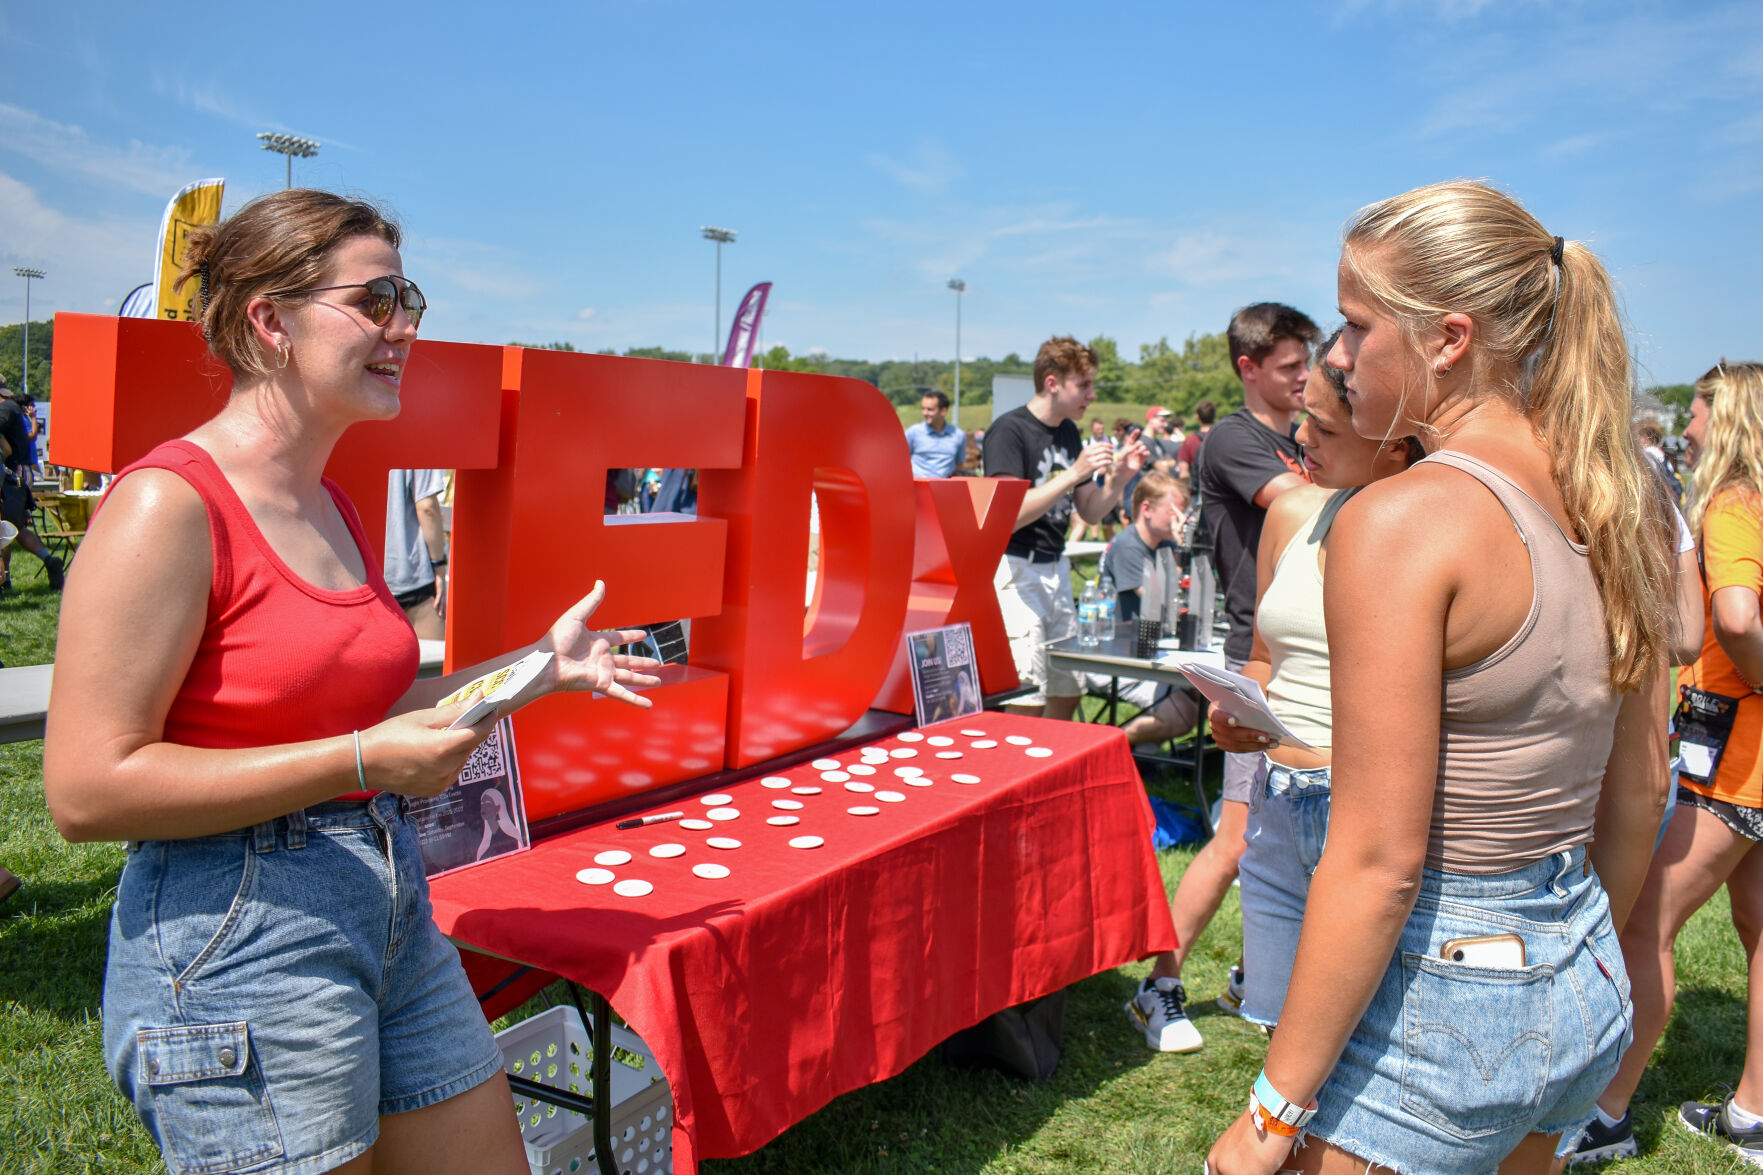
(1290, 621)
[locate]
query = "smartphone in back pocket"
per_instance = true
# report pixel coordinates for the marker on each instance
(1501, 951)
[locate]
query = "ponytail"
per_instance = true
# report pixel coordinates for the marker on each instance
(1581, 400)
(1544, 310)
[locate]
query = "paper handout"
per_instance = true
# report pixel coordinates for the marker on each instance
(1238, 696)
(498, 689)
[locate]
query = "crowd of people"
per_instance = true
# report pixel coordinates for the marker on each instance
(1442, 550)
(1458, 570)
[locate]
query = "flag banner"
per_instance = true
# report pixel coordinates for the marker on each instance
(193, 207)
(139, 303)
(743, 333)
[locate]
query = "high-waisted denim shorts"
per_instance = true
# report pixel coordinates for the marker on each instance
(1288, 824)
(1453, 1065)
(271, 992)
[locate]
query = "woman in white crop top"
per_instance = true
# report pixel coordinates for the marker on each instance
(1498, 622)
(1288, 809)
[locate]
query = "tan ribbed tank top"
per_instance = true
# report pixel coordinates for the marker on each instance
(1526, 731)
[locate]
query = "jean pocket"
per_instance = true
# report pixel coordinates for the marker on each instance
(1310, 829)
(203, 896)
(1476, 1044)
(210, 1110)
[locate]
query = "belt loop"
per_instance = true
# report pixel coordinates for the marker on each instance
(1565, 862)
(263, 836)
(297, 828)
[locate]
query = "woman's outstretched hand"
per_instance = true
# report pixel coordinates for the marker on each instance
(584, 659)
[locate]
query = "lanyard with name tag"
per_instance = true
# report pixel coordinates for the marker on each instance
(1704, 723)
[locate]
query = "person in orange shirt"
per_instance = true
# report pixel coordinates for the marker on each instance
(1713, 835)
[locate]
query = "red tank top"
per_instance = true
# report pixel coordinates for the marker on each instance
(281, 661)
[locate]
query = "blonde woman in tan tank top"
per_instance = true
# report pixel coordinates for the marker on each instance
(1455, 1009)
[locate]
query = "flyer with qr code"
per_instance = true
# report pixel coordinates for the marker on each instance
(482, 816)
(945, 680)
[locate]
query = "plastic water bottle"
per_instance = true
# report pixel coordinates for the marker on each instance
(1106, 607)
(1088, 607)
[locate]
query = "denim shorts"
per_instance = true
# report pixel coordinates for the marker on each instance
(1453, 1065)
(271, 992)
(1288, 823)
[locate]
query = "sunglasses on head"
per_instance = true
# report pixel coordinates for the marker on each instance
(383, 293)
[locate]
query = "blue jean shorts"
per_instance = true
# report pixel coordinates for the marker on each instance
(271, 992)
(1288, 824)
(1453, 1065)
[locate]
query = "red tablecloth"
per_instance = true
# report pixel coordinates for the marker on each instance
(810, 972)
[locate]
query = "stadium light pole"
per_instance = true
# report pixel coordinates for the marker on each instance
(960, 287)
(290, 146)
(722, 236)
(29, 276)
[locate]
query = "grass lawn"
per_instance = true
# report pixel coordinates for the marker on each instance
(1112, 1106)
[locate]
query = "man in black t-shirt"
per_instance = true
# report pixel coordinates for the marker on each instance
(1247, 460)
(1039, 442)
(16, 503)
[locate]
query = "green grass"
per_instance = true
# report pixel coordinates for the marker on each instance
(1112, 1106)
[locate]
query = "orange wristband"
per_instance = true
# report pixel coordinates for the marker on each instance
(1265, 1121)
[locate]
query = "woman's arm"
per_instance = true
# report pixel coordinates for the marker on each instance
(1391, 579)
(1739, 630)
(131, 619)
(1689, 635)
(1632, 801)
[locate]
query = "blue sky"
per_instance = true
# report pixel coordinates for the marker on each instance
(1136, 171)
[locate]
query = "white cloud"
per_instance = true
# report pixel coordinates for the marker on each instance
(931, 170)
(585, 313)
(69, 150)
(100, 260)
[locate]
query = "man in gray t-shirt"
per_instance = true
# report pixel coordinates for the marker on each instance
(416, 547)
(1164, 712)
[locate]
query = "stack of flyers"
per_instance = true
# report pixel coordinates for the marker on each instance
(496, 691)
(1238, 697)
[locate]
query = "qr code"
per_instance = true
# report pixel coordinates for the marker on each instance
(958, 647)
(487, 762)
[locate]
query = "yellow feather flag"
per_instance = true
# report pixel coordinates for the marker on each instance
(196, 205)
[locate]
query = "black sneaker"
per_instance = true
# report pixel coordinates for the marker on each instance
(57, 572)
(1599, 1143)
(1712, 1120)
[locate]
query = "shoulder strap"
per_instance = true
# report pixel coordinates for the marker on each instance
(193, 464)
(1325, 516)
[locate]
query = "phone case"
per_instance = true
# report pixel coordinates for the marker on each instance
(1503, 951)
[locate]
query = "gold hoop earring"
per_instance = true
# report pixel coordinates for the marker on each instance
(282, 352)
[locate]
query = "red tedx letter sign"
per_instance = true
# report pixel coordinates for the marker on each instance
(794, 679)
(964, 524)
(539, 538)
(123, 385)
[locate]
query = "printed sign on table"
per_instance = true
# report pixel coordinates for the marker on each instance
(945, 681)
(482, 816)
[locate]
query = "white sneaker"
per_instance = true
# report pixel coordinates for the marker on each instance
(1159, 1010)
(1232, 999)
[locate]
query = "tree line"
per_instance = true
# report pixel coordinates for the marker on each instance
(12, 356)
(1176, 377)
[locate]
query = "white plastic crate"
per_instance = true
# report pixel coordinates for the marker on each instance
(553, 1048)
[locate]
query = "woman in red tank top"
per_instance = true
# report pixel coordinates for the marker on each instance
(235, 695)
